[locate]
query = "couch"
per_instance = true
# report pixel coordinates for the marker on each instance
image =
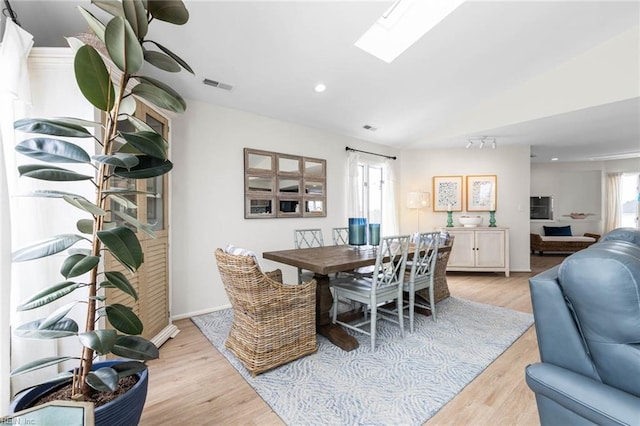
(587, 319)
(560, 239)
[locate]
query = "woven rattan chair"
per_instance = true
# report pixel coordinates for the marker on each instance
(273, 323)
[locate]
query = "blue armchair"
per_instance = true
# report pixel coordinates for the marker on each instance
(587, 319)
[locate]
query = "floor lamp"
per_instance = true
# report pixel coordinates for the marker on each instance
(418, 200)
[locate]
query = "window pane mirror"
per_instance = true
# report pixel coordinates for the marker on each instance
(282, 185)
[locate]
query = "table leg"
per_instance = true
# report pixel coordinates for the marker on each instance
(334, 332)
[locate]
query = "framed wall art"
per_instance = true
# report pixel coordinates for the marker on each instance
(481, 193)
(447, 193)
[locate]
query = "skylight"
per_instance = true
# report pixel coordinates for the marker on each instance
(402, 25)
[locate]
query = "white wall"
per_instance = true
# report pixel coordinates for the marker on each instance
(511, 165)
(208, 195)
(579, 185)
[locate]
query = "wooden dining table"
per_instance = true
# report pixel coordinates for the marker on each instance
(324, 261)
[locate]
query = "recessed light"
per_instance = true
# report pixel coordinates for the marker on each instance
(320, 87)
(554, 159)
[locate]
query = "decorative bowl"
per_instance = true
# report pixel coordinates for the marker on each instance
(470, 221)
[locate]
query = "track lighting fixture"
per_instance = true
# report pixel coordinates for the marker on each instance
(482, 141)
(469, 144)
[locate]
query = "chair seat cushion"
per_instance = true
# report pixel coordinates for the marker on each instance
(568, 239)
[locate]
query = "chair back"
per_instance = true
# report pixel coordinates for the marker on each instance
(308, 238)
(425, 255)
(340, 236)
(391, 261)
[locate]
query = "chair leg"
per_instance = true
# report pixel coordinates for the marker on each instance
(432, 302)
(373, 324)
(412, 304)
(334, 307)
(401, 312)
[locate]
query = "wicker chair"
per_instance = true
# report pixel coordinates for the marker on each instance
(273, 323)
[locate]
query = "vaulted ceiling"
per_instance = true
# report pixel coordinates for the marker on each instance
(560, 76)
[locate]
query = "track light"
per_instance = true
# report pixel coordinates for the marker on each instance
(482, 144)
(493, 144)
(469, 145)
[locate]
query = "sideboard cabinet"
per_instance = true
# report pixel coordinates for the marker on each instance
(481, 249)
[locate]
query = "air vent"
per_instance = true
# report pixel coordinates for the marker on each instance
(220, 85)
(369, 127)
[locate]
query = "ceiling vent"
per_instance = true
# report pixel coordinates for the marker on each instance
(220, 85)
(370, 128)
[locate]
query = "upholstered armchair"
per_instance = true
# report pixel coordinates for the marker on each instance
(631, 235)
(273, 323)
(587, 319)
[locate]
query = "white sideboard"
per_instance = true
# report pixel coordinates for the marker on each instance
(481, 249)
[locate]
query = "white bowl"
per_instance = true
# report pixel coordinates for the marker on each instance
(470, 221)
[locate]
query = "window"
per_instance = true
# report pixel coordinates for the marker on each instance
(371, 179)
(630, 200)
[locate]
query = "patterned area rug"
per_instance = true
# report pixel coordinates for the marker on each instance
(404, 382)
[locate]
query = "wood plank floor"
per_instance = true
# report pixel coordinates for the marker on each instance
(193, 384)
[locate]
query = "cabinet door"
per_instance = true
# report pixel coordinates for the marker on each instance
(490, 246)
(463, 250)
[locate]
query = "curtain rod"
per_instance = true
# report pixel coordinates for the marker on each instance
(8, 12)
(372, 153)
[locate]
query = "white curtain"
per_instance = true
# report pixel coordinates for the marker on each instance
(613, 217)
(354, 187)
(389, 205)
(14, 94)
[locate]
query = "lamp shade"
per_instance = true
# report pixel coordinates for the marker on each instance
(418, 200)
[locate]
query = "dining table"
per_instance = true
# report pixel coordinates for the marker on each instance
(324, 262)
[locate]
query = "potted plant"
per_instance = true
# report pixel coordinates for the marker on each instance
(138, 154)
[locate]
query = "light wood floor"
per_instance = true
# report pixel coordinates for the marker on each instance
(191, 383)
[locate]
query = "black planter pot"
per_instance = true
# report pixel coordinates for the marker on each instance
(122, 411)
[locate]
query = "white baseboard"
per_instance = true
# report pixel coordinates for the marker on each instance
(201, 312)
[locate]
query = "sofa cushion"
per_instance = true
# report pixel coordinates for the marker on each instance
(557, 231)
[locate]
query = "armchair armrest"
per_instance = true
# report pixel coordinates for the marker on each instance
(588, 398)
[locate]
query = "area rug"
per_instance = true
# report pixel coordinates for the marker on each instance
(403, 382)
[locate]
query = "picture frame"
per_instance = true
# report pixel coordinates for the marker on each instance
(447, 193)
(481, 193)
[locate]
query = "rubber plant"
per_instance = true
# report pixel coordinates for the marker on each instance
(109, 76)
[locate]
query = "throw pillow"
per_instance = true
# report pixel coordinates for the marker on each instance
(557, 231)
(231, 249)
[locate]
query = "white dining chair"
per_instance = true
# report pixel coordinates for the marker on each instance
(340, 236)
(385, 285)
(307, 238)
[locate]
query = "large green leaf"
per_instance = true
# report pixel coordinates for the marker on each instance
(93, 78)
(46, 247)
(51, 194)
(175, 57)
(64, 327)
(52, 127)
(125, 191)
(165, 88)
(123, 319)
(160, 97)
(139, 124)
(129, 368)
(161, 60)
(123, 45)
(40, 363)
(112, 7)
(118, 160)
(48, 295)
(119, 281)
(172, 11)
(124, 202)
(135, 347)
(103, 379)
(85, 226)
(51, 173)
(53, 150)
(149, 143)
(94, 23)
(136, 15)
(147, 168)
(57, 315)
(100, 341)
(124, 246)
(144, 227)
(85, 205)
(77, 264)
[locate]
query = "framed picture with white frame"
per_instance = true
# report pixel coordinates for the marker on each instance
(447, 193)
(481, 193)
